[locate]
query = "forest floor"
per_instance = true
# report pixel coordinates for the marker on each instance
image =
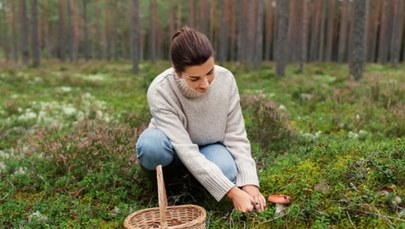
(336, 146)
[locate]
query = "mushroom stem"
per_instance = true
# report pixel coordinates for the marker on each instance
(279, 209)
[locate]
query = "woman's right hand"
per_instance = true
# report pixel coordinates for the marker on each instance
(242, 201)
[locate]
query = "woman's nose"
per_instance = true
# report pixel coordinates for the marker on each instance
(205, 82)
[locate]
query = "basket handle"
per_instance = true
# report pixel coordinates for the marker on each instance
(162, 197)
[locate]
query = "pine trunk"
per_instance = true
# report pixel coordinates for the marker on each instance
(281, 54)
(153, 30)
(321, 52)
(135, 36)
(331, 26)
(222, 34)
(343, 32)
(85, 32)
(34, 34)
(14, 38)
(358, 43)
(304, 35)
(398, 24)
(383, 38)
(268, 30)
(258, 54)
(24, 32)
(373, 30)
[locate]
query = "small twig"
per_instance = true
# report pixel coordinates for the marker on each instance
(350, 219)
(77, 193)
(385, 217)
(5, 196)
(275, 218)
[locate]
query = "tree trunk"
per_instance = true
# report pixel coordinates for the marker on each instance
(153, 30)
(275, 29)
(171, 20)
(316, 16)
(203, 16)
(383, 38)
(135, 36)
(62, 52)
(343, 32)
(85, 32)
(4, 32)
(179, 16)
(250, 35)
(47, 37)
(34, 34)
(241, 32)
(331, 25)
(373, 29)
(359, 39)
(107, 31)
(268, 30)
(223, 40)
(233, 33)
(74, 30)
(292, 29)
(304, 35)
(259, 35)
(24, 32)
(70, 29)
(351, 30)
(322, 32)
(281, 54)
(14, 38)
(211, 33)
(191, 13)
(398, 24)
(115, 25)
(99, 43)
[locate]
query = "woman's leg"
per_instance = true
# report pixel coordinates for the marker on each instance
(154, 148)
(220, 155)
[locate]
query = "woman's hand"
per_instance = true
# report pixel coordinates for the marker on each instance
(242, 201)
(258, 199)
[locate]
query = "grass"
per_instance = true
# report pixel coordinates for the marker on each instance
(67, 135)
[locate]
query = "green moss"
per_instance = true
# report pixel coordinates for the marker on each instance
(336, 145)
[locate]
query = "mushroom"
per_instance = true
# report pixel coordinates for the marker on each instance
(280, 201)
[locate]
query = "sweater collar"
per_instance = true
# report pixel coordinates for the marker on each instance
(185, 90)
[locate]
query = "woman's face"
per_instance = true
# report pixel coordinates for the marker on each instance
(199, 77)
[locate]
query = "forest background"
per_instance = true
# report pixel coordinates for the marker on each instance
(244, 31)
(329, 133)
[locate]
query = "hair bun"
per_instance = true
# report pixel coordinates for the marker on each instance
(180, 31)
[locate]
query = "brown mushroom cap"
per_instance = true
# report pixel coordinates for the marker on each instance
(279, 199)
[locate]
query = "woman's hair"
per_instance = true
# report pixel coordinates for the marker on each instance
(189, 47)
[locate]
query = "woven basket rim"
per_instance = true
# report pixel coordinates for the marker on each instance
(199, 219)
(163, 209)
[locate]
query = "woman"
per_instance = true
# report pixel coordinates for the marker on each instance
(197, 122)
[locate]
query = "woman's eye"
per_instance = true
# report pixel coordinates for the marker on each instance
(194, 79)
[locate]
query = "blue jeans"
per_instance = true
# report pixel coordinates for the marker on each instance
(154, 148)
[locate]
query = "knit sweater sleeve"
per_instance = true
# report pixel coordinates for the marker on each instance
(205, 171)
(238, 144)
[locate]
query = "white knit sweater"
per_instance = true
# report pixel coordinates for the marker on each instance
(189, 119)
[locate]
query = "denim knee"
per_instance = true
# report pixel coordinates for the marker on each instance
(154, 148)
(229, 170)
(219, 155)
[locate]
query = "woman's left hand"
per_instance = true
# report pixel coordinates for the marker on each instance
(253, 191)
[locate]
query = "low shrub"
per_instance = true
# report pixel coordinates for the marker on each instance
(88, 148)
(267, 123)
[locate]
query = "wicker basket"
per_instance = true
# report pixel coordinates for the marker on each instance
(173, 217)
